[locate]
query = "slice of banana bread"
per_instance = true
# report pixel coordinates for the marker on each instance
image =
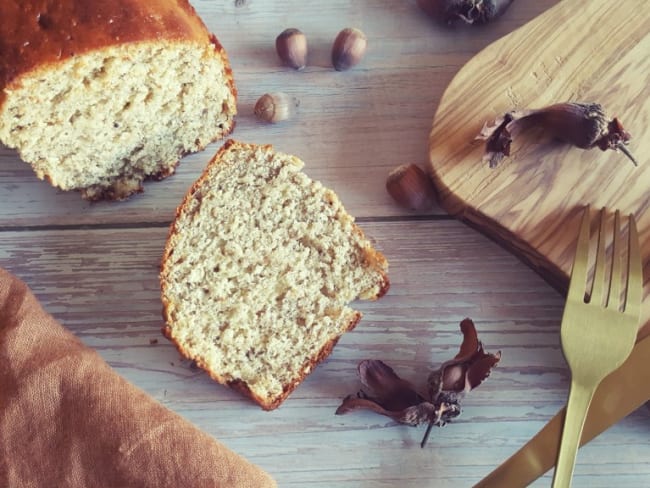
(259, 269)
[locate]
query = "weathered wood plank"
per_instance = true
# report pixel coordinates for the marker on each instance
(103, 285)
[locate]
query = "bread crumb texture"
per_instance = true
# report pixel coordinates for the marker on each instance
(104, 121)
(259, 268)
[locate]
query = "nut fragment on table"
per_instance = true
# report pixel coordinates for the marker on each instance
(348, 48)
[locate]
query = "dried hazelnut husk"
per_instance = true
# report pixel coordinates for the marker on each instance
(583, 125)
(385, 393)
(411, 187)
(274, 107)
(348, 48)
(291, 46)
(468, 11)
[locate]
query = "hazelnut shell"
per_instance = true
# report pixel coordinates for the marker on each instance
(291, 46)
(348, 48)
(411, 187)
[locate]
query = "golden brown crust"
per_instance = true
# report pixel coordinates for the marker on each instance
(40, 33)
(377, 261)
(385, 285)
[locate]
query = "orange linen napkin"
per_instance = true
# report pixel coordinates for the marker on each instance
(68, 420)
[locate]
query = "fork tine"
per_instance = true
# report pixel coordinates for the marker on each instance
(578, 282)
(599, 283)
(634, 293)
(614, 298)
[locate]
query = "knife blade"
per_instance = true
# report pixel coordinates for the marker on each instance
(622, 392)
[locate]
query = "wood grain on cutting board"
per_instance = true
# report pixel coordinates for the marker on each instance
(597, 51)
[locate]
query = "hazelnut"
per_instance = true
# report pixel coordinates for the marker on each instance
(411, 187)
(348, 49)
(291, 46)
(274, 107)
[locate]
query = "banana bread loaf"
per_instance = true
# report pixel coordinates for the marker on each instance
(100, 95)
(259, 268)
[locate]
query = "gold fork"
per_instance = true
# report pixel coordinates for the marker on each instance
(598, 328)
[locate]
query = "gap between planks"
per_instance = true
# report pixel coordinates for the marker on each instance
(167, 223)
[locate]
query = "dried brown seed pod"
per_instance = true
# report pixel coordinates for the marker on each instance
(348, 48)
(411, 187)
(584, 125)
(468, 11)
(274, 107)
(291, 46)
(385, 393)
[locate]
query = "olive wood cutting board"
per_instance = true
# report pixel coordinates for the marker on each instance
(532, 202)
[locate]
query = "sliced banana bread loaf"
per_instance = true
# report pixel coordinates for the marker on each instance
(259, 269)
(100, 95)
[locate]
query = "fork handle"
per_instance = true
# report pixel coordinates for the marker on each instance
(576, 411)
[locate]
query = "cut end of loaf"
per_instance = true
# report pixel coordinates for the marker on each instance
(259, 270)
(105, 121)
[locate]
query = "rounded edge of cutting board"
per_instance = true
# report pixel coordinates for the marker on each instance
(551, 76)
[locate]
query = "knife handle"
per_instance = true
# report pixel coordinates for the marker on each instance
(622, 392)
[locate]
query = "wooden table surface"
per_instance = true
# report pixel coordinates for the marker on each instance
(95, 266)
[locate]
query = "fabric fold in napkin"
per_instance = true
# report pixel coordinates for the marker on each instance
(68, 420)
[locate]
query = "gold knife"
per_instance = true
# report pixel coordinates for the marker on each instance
(622, 392)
